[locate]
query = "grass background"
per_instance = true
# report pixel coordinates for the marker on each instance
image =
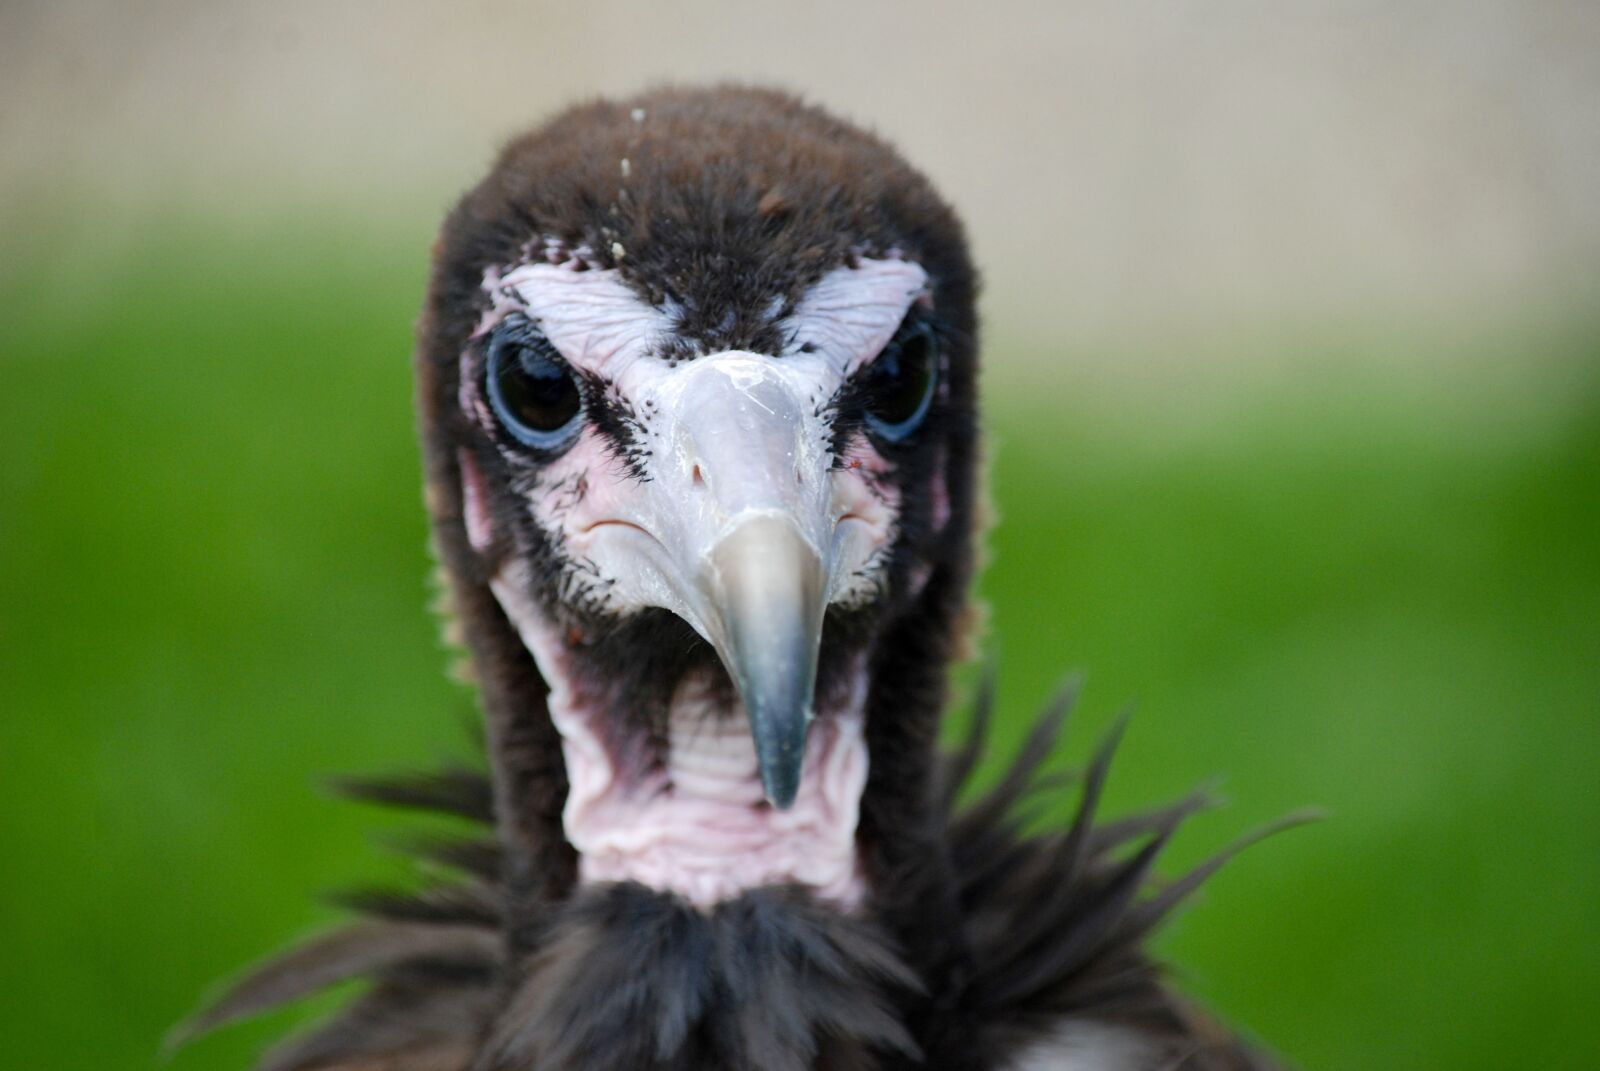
(1374, 587)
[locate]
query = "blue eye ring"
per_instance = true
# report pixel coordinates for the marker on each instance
(533, 392)
(901, 381)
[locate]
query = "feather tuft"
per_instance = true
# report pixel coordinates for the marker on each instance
(1055, 926)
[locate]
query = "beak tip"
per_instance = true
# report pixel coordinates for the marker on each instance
(781, 756)
(781, 796)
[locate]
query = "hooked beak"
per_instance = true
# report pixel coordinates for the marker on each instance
(741, 505)
(767, 587)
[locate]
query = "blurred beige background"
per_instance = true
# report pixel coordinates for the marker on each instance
(1142, 179)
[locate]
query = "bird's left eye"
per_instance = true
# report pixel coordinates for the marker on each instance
(900, 382)
(532, 390)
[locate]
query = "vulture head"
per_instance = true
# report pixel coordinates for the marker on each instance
(697, 389)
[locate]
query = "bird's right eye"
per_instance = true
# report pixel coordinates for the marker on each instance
(900, 382)
(533, 391)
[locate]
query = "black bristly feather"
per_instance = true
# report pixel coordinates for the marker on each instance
(618, 425)
(370, 948)
(638, 979)
(479, 857)
(420, 1017)
(627, 977)
(1001, 802)
(456, 790)
(467, 904)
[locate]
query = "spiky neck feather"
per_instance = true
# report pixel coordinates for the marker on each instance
(619, 976)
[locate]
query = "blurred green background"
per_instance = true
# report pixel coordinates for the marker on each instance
(1328, 513)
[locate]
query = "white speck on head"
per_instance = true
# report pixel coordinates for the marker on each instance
(638, 115)
(626, 167)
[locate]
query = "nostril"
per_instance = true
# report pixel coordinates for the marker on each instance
(697, 479)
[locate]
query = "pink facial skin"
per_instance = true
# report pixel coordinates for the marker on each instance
(475, 504)
(697, 824)
(939, 493)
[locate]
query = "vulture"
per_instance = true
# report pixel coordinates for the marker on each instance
(696, 381)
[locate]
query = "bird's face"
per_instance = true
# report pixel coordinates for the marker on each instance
(696, 378)
(619, 472)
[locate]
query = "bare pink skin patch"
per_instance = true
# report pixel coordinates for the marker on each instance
(475, 504)
(939, 492)
(698, 825)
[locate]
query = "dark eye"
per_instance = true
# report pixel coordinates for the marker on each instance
(900, 382)
(531, 388)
